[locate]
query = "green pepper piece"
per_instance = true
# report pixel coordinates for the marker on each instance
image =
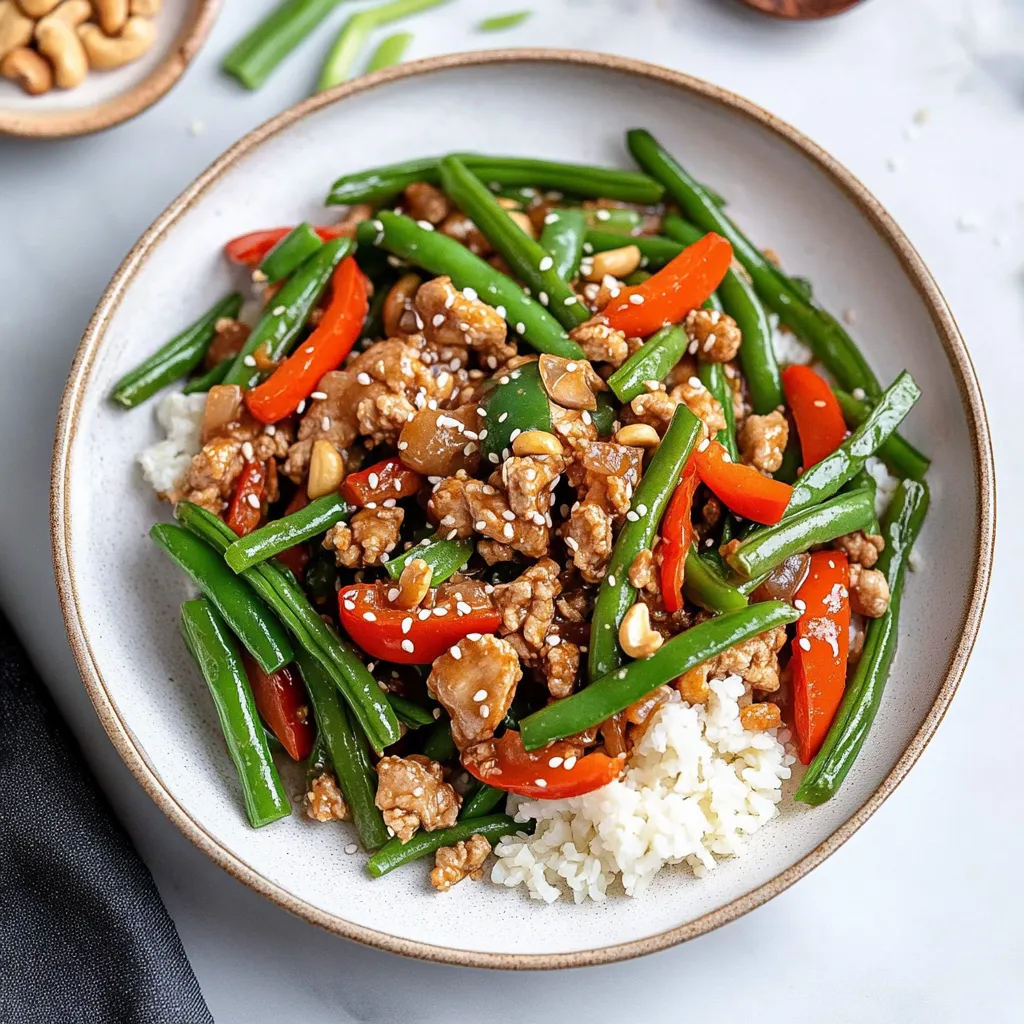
(298, 245)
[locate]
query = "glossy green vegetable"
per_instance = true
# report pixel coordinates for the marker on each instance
(503, 21)
(826, 477)
(703, 585)
(514, 401)
(390, 52)
(527, 258)
(562, 238)
(620, 220)
(763, 549)
(652, 361)
(712, 376)
(899, 455)
(281, 534)
(738, 298)
(278, 589)
(382, 184)
(445, 558)
(294, 249)
(618, 689)
(439, 745)
(258, 54)
(250, 621)
(482, 802)
(348, 753)
(180, 356)
(210, 644)
(864, 481)
(654, 250)
(411, 714)
(864, 691)
(395, 854)
(816, 328)
(279, 327)
(215, 375)
(442, 255)
(616, 595)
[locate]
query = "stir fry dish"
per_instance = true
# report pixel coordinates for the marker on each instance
(535, 511)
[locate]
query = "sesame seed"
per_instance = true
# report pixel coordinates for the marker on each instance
(300, 408)
(551, 218)
(363, 378)
(501, 311)
(555, 762)
(249, 360)
(604, 215)
(318, 396)
(480, 525)
(543, 296)
(425, 224)
(520, 328)
(452, 534)
(632, 516)
(542, 783)
(463, 608)
(393, 593)
(492, 457)
(571, 544)
(369, 616)
(407, 624)
(805, 644)
(642, 509)
(508, 532)
(545, 264)
(374, 480)
(247, 451)
(325, 423)
(423, 614)
(570, 763)
(515, 433)
(611, 580)
(474, 636)
(636, 300)
(440, 611)
(503, 417)
(695, 383)
(408, 647)
(508, 515)
(704, 445)
(480, 695)
(436, 713)
(820, 403)
(350, 606)
(800, 606)
(553, 640)
(277, 310)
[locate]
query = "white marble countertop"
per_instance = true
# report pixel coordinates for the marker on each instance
(916, 918)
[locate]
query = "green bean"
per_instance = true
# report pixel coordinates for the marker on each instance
(616, 594)
(637, 277)
(210, 644)
(258, 54)
(816, 328)
(652, 361)
(503, 21)
(705, 587)
(383, 184)
(864, 691)
(390, 52)
(439, 745)
(180, 356)
(618, 220)
(527, 258)
(562, 238)
(250, 621)
(280, 325)
(712, 376)
(411, 714)
(655, 251)
(347, 750)
(616, 690)
(214, 376)
(763, 549)
(445, 558)
(281, 534)
(319, 760)
(482, 802)
(898, 454)
(864, 481)
(294, 249)
(442, 255)
(824, 478)
(277, 587)
(396, 853)
(757, 352)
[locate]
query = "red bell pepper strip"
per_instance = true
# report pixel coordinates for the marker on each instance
(667, 296)
(401, 636)
(743, 489)
(676, 537)
(383, 480)
(325, 349)
(249, 250)
(553, 773)
(246, 509)
(820, 650)
(283, 704)
(819, 418)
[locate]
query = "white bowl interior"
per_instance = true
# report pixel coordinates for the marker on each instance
(128, 595)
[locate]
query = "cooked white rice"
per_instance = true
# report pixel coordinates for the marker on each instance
(181, 418)
(789, 349)
(697, 784)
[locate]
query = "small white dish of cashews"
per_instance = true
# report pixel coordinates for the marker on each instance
(69, 67)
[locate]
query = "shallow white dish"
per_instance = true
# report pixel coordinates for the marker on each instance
(121, 598)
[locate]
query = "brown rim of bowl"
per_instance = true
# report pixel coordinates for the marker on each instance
(126, 105)
(135, 757)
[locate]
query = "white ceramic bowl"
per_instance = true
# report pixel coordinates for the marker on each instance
(121, 598)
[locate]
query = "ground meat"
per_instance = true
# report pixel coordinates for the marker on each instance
(529, 481)
(643, 572)
(755, 660)
(324, 801)
(716, 335)
(458, 226)
(367, 539)
(476, 686)
(354, 216)
(573, 426)
(228, 339)
(869, 591)
(411, 792)
(860, 547)
(605, 474)
(423, 201)
(657, 408)
(210, 479)
(463, 860)
(527, 604)
(762, 440)
(601, 343)
(560, 663)
(589, 538)
(693, 685)
(452, 318)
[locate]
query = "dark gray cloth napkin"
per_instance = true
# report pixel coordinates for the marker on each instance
(84, 938)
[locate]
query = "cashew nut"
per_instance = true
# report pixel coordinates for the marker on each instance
(636, 637)
(15, 28)
(637, 435)
(413, 584)
(536, 442)
(145, 8)
(29, 70)
(111, 14)
(70, 12)
(326, 470)
(616, 262)
(37, 8)
(58, 41)
(106, 52)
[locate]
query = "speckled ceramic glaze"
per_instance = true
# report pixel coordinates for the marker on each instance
(121, 597)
